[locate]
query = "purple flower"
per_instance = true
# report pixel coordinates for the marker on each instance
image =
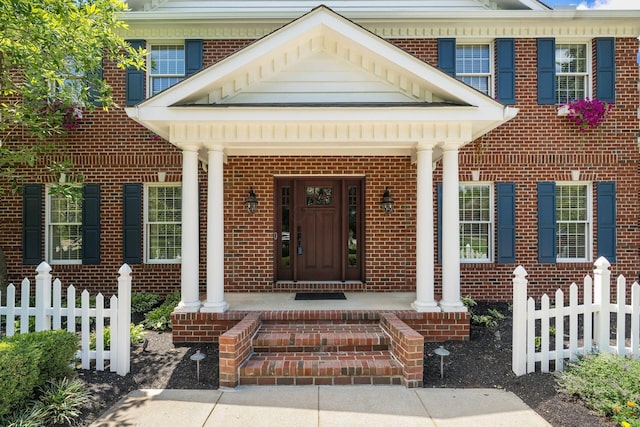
(587, 113)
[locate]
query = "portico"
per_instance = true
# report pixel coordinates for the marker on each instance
(320, 86)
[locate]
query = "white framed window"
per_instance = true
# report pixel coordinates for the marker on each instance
(476, 221)
(166, 66)
(63, 229)
(163, 223)
(573, 67)
(474, 66)
(574, 221)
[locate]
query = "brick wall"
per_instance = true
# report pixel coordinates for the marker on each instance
(536, 146)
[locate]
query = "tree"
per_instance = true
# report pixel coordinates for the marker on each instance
(51, 55)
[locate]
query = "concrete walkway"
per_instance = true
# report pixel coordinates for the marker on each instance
(309, 406)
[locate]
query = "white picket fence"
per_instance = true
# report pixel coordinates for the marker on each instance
(547, 323)
(50, 314)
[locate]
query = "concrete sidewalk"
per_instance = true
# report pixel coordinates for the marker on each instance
(322, 406)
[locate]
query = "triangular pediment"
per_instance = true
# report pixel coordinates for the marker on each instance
(320, 78)
(319, 58)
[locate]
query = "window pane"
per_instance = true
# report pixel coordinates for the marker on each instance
(571, 58)
(64, 227)
(285, 254)
(571, 72)
(164, 219)
(472, 59)
(167, 59)
(66, 242)
(475, 221)
(572, 217)
(352, 243)
(473, 66)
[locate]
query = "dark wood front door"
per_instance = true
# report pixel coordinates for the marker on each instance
(317, 243)
(319, 229)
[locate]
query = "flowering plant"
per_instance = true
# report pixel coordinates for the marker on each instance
(587, 113)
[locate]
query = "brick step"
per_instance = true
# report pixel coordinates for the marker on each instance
(320, 338)
(321, 368)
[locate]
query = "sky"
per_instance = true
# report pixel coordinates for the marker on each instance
(595, 4)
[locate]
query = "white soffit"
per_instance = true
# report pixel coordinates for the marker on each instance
(321, 70)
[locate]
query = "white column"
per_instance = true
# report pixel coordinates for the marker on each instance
(190, 295)
(425, 301)
(450, 232)
(215, 234)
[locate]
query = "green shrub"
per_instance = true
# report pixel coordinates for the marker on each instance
(136, 335)
(58, 350)
(159, 318)
(30, 416)
(62, 401)
(172, 299)
(142, 302)
(19, 373)
(469, 302)
(607, 384)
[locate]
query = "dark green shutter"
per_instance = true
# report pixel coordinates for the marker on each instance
(192, 56)
(94, 92)
(91, 224)
(32, 224)
(506, 71)
(606, 210)
(547, 222)
(134, 79)
(506, 223)
(447, 56)
(606, 69)
(546, 71)
(132, 223)
(439, 200)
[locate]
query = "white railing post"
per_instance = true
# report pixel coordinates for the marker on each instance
(602, 298)
(519, 343)
(43, 297)
(621, 292)
(124, 319)
(635, 320)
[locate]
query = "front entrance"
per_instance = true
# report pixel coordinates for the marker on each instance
(319, 229)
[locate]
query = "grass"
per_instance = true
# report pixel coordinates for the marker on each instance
(606, 383)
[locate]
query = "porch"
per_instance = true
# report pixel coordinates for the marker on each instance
(274, 339)
(194, 327)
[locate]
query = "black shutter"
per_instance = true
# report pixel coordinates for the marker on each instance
(606, 210)
(506, 71)
(546, 71)
(447, 56)
(91, 224)
(32, 224)
(606, 69)
(192, 56)
(132, 223)
(134, 79)
(94, 92)
(547, 222)
(506, 223)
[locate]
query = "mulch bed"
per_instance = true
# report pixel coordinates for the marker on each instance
(482, 362)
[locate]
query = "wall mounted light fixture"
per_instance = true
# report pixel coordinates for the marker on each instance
(252, 201)
(387, 202)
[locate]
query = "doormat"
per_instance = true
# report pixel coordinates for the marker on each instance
(309, 296)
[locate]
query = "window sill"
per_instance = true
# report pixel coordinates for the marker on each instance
(563, 110)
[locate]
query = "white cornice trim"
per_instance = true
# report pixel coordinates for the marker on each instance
(519, 26)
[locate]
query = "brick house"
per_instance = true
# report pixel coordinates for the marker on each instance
(325, 112)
